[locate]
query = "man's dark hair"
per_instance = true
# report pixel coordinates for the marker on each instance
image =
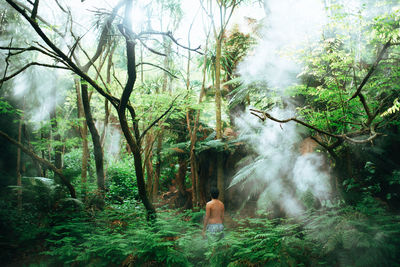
(214, 192)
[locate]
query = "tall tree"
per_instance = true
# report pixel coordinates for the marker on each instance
(220, 17)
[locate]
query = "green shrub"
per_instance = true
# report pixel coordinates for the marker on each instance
(121, 180)
(364, 235)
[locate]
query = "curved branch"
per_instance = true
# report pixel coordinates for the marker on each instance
(267, 115)
(31, 64)
(169, 34)
(115, 101)
(103, 36)
(156, 66)
(152, 50)
(264, 115)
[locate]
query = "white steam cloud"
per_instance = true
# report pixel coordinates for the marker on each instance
(280, 175)
(290, 24)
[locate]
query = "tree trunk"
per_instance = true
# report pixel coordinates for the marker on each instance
(220, 171)
(56, 138)
(98, 151)
(18, 170)
(157, 173)
(133, 141)
(180, 178)
(43, 151)
(192, 135)
(28, 141)
(83, 132)
(149, 165)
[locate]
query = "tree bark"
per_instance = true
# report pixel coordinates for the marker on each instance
(133, 141)
(18, 169)
(56, 136)
(98, 151)
(149, 165)
(83, 132)
(157, 173)
(220, 171)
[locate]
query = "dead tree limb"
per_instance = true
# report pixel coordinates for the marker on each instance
(345, 137)
(156, 66)
(169, 34)
(29, 65)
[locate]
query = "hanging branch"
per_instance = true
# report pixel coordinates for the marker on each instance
(264, 115)
(151, 49)
(31, 64)
(169, 34)
(156, 66)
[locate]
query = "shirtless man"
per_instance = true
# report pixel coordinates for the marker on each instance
(214, 215)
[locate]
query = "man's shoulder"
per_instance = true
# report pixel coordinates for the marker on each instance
(214, 202)
(209, 203)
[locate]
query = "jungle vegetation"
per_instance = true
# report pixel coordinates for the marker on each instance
(114, 126)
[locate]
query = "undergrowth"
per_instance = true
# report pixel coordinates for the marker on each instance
(336, 235)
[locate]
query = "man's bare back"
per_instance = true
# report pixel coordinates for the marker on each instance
(215, 211)
(214, 214)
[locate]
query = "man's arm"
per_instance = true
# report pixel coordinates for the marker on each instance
(208, 211)
(223, 213)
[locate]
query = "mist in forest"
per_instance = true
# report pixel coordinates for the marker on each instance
(284, 180)
(289, 25)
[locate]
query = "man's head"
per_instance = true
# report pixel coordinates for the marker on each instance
(214, 193)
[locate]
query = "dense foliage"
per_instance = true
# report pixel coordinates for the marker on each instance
(113, 131)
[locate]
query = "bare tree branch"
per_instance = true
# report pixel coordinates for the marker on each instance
(347, 137)
(115, 101)
(35, 9)
(7, 64)
(156, 66)
(31, 64)
(103, 36)
(38, 17)
(169, 34)
(264, 115)
(21, 50)
(151, 49)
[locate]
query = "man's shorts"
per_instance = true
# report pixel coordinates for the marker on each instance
(215, 228)
(215, 231)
